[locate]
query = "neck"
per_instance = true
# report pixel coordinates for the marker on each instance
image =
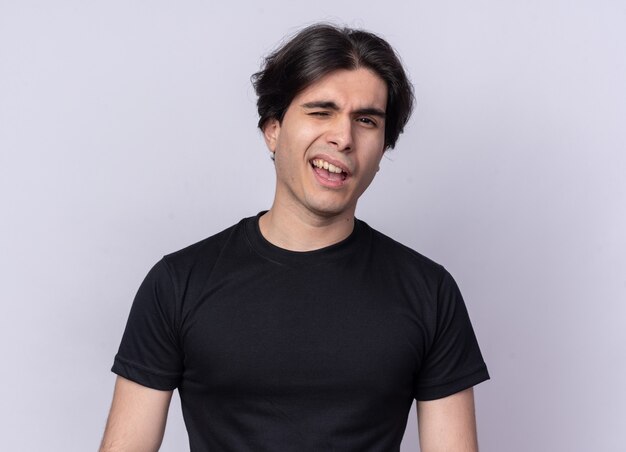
(295, 230)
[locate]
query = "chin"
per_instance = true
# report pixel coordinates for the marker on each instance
(328, 210)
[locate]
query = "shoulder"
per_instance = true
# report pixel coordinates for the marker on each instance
(210, 246)
(395, 255)
(198, 259)
(186, 272)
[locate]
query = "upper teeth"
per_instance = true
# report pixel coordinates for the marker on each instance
(327, 166)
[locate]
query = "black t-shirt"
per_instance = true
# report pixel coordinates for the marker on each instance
(275, 350)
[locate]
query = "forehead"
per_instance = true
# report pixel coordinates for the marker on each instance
(353, 89)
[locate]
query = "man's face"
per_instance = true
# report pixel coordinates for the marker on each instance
(329, 145)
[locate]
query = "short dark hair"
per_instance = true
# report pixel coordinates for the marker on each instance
(320, 49)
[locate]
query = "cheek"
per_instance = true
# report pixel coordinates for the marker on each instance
(296, 135)
(373, 155)
(371, 141)
(372, 168)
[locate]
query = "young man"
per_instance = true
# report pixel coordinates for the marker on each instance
(303, 329)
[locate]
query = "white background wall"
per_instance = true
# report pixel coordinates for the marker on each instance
(127, 131)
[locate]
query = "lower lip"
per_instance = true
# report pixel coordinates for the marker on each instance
(319, 175)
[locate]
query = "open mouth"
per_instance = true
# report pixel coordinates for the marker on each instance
(328, 171)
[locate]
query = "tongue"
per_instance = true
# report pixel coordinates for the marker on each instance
(328, 175)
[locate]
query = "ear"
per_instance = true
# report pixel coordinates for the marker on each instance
(271, 131)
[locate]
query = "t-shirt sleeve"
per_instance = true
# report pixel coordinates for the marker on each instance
(149, 353)
(454, 361)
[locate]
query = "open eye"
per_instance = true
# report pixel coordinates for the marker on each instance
(367, 121)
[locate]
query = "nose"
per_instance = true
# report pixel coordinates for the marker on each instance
(340, 133)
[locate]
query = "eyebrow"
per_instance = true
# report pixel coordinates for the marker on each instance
(330, 105)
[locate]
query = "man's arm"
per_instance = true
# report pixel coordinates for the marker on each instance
(137, 418)
(448, 424)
